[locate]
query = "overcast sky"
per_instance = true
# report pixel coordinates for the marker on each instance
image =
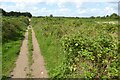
(80, 8)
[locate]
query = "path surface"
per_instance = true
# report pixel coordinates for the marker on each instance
(37, 68)
(21, 68)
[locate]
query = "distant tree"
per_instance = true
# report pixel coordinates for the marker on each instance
(27, 14)
(103, 17)
(92, 17)
(2, 11)
(107, 16)
(98, 17)
(51, 15)
(114, 16)
(12, 13)
(77, 17)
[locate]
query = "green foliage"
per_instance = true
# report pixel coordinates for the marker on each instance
(10, 52)
(16, 14)
(95, 56)
(88, 50)
(13, 28)
(51, 15)
(48, 41)
(114, 16)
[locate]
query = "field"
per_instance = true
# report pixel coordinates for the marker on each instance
(78, 47)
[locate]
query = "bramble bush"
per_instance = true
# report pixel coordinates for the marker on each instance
(13, 28)
(89, 49)
(91, 57)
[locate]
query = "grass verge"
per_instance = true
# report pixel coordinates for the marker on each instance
(30, 46)
(50, 49)
(9, 56)
(30, 49)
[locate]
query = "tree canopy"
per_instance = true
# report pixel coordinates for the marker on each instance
(112, 16)
(12, 13)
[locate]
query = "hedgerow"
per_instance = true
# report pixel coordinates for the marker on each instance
(13, 28)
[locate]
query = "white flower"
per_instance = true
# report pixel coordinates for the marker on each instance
(76, 44)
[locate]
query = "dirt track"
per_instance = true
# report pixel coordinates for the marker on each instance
(21, 68)
(38, 67)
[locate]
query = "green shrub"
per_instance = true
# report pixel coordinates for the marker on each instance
(89, 48)
(13, 28)
(89, 57)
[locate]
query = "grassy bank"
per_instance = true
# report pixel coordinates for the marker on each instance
(13, 30)
(10, 52)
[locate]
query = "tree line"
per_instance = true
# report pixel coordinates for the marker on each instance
(112, 16)
(17, 14)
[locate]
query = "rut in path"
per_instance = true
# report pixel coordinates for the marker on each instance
(22, 68)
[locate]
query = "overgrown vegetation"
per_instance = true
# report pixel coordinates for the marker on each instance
(10, 52)
(78, 48)
(91, 57)
(13, 29)
(50, 48)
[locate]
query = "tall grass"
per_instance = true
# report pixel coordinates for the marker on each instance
(10, 52)
(50, 48)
